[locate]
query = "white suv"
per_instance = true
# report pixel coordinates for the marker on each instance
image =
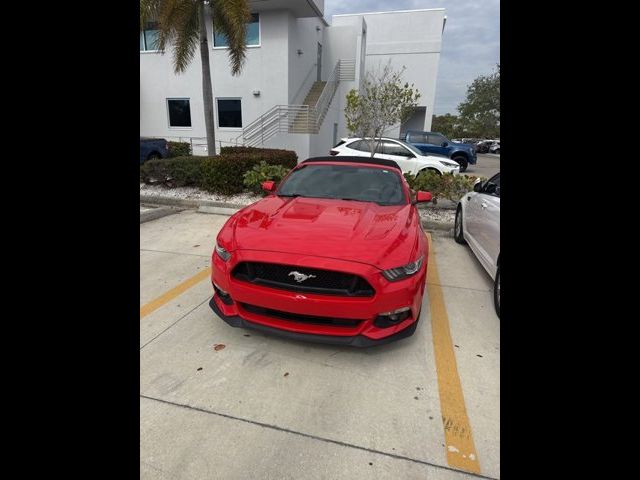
(408, 157)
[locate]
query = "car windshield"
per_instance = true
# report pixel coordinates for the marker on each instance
(345, 182)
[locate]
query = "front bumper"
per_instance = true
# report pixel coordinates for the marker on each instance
(353, 341)
(248, 298)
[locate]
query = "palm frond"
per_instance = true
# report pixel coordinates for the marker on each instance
(230, 18)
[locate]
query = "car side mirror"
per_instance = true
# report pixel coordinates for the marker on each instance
(477, 187)
(445, 144)
(269, 186)
(422, 197)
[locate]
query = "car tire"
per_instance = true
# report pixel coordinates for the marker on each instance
(497, 151)
(154, 156)
(462, 161)
(458, 233)
(496, 292)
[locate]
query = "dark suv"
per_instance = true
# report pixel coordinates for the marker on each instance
(433, 142)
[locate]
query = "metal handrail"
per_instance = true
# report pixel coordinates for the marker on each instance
(297, 118)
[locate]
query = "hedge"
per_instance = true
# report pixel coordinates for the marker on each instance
(184, 171)
(273, 156)
(449, 186)
(179, 149)
(223, 174)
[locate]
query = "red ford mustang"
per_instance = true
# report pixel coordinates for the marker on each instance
(335, 254)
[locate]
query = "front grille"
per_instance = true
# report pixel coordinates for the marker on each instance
(295, 317)
(323, 282)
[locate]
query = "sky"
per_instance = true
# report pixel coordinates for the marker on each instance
(470, 44)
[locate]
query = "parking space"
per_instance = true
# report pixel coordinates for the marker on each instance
(487, 166)
(220, 402)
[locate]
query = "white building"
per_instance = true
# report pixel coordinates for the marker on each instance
(298, 70)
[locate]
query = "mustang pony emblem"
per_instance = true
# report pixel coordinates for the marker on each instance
(300, 277)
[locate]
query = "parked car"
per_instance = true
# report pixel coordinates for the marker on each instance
(483, 146)
(430, 143)
(151, 148)
(408, 157)
(478, 224)
(495, 148)
(334, 254)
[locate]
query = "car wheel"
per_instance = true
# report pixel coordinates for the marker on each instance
(462, 162)
(458, 234)
(496, 292)
(154, 156)
(497, 151)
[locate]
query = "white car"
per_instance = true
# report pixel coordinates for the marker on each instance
(495, 148)
(408, 157)
(478, 224)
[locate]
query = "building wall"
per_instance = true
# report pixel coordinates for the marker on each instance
(405, 38)
(305, 36)
(265, 70)
(282, 76)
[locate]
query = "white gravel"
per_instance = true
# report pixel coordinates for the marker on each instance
(193, 193)
(438, 215)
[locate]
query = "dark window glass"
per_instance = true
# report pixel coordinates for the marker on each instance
(436, 140)
(492, 186)
(364, 146)
(357, 145)
(149, 36)
(365, 184)
(392, 148)
(252, 37)
(229, 113)
(418, 137)
(179, 112)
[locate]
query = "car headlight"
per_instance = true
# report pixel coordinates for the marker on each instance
(399, 273)
(448, 164)
(222, 253)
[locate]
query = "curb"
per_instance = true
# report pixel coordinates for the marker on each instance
(184, 202)
(430, 225)
(217, 210)
(157, 213)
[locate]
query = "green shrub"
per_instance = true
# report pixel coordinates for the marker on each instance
(222, 174)
(448, 186)
(185, 171)
(273, 156)
(179, 149)
(261, 173)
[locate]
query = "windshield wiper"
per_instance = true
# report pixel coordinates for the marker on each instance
(293, 195)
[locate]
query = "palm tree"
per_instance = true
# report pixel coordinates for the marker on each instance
(182, 24)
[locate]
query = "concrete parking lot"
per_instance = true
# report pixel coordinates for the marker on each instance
(487, 166)
(219, 402)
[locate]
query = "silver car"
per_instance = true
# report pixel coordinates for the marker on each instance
(478, 224)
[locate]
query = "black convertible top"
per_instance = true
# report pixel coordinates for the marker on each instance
(371, 161)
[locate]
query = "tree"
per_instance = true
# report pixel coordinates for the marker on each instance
(480, 112)
(182, 24)
(382, 102)
(447, 124)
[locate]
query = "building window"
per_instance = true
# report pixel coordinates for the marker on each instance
(179, 112)
(149, 37)
(229, 113)
(252, 36)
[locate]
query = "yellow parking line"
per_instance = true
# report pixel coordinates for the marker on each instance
(174, 292)
(461, 451)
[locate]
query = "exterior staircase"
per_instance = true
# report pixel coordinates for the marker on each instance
(305, 118)
(302, 121)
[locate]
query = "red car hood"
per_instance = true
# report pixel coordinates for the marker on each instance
(383, 236)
